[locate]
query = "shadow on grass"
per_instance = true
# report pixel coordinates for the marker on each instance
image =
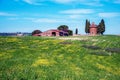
(65, 43)
(100, 53)
(113, 50)
(91, 47)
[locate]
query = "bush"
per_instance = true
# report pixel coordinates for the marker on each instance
(70, 32)
(36, 32)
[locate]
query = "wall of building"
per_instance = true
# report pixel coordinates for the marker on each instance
(51, 33)
(93, 30)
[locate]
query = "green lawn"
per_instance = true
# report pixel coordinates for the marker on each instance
(59, 58)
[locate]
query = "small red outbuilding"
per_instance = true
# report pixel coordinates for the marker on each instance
(93, 29)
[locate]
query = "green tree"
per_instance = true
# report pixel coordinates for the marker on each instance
(98, 29)
(36, 32)
(87, 26)
(101, 27)
(76, 31)
(63, 27)
(70, 32)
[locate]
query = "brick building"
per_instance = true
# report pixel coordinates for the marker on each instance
(93, 29)
(54, 32)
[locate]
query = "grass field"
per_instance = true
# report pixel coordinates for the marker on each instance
(60, 58)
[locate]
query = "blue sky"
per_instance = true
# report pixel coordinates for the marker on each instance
(29, 15)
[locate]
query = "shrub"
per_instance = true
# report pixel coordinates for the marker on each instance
(36, 32)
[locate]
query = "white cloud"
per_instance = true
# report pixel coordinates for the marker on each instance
(75, 16)
(93, 4)
(49, 20)
(77, 11)
(7, 14)
(85, 2)
(46, 20)
(113, 1)
(29, 1)
(12, 18)
(64, 1)
(34, 2)
(107, 15)
(117, 1)
(28, 18)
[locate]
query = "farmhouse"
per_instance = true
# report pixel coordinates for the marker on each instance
(37, 34)
(93, 29)
(54, 32)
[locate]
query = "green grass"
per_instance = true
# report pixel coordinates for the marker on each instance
(46, 58)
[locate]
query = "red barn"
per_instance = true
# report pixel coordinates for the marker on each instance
(93, 29)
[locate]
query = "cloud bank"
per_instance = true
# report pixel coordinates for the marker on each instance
(109, 14)
(7, 14)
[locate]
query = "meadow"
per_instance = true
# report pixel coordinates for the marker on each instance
(60, 58)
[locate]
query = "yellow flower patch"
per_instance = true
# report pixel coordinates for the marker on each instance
(10, 51)
(3, 56)
(61, 56)
(57, 51)
(36, 41)
(45, 48)
(100, 66)
(24, 47)
(69, 58)
(45, 62)
(78, 71)
(12, 40)
(109, 69)
(71, 51)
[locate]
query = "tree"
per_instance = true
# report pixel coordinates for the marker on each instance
(63, 27)
(76, 31)
(98, 29)
(87, 26)
(101, 27)
(66, 29)
(70, 32)
(36, 32)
